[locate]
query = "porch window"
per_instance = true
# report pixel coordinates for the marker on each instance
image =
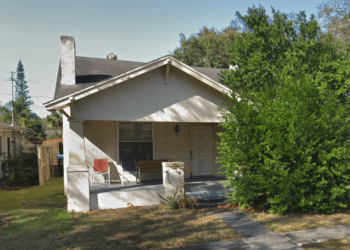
(135, 141)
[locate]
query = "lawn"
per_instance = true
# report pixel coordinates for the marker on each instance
(36, 218)
(299, 221)
(343, 244)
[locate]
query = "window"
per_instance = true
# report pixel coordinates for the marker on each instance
(135, 141)
(0, 145)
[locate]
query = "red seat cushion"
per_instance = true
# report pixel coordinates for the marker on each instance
(101, 165)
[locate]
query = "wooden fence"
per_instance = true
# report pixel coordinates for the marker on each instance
(45, 163)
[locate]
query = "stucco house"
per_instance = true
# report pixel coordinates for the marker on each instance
(115, 109)
(8, 134)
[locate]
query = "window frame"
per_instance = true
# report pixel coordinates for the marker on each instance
(118, 137)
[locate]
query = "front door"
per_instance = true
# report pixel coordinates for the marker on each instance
(200, 150)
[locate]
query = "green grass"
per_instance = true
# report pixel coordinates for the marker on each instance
(51, 194)
(36, 218)
(342, 244)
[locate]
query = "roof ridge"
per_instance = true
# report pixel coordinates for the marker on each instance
(118, 60)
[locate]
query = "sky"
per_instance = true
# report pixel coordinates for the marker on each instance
(135, 30)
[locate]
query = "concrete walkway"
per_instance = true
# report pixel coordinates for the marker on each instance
(258, 237)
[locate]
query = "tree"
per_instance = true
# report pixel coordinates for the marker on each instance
(208, 48)
(54, 121)
(21, 86)
(285, 145)
(335, 17)
(23, 116)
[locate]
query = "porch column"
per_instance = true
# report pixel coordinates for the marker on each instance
(73, 146)
(173, 178)
(65, 150)
(78, 189)
(76, 143)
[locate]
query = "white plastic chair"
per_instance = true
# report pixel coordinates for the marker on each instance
(128, 167)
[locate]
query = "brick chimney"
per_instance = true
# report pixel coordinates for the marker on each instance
(68, 60)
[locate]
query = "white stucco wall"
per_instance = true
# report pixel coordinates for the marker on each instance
(148, 98)
(101, 143)
(168, 145)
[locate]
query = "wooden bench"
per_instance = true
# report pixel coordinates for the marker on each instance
(150, 165)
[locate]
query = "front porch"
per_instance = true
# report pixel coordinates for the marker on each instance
(114, 140)
(208, 190)
(146, 142)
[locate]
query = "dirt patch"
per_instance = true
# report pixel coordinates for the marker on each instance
(3, 222)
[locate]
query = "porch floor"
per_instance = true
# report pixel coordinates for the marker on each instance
(207, 189)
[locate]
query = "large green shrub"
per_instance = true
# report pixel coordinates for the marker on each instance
(286, 143)
(21, 167)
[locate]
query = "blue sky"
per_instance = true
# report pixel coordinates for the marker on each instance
(135, 30)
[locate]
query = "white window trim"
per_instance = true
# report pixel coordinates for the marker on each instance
(118, 154)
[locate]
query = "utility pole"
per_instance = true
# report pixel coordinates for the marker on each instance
(13, 110)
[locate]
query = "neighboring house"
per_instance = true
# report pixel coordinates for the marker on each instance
(50, 132)
(8, 134)
(121, 109)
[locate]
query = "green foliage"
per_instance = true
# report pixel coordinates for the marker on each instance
(21, 86)
(23, 116)
(179, 200)
(54, 121)
(53, 136)
(334, 16)
(22, 166)
(286, 142)
(208, 48)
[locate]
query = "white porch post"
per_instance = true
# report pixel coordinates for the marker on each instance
(65, 150)
(173, 179)
(78, 189)
(76, 143)
(73, 146)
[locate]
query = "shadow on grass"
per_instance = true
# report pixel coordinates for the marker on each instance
(138, 228)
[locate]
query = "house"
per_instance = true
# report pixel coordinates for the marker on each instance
(115, 109)
(8, 135)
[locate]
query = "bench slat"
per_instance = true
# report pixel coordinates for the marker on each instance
(150, 165)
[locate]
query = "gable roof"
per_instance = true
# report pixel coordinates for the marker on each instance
(93, 75)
